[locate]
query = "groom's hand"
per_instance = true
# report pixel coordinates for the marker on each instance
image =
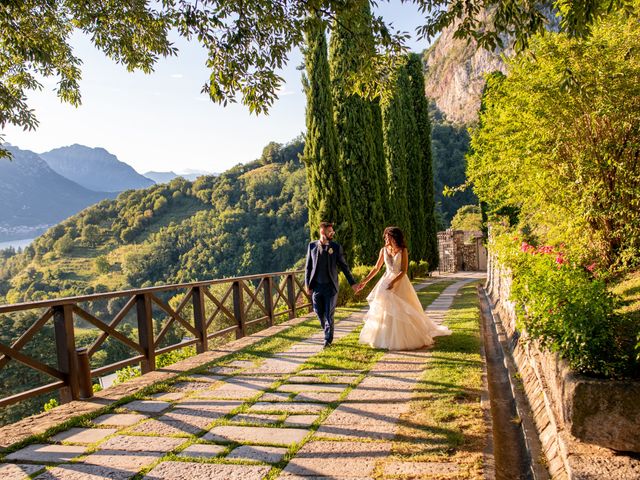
(308, 290)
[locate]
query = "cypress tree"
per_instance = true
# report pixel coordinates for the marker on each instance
(328, 197)
(396, 148)
(360, 157)
(423, 125)
(415, 187)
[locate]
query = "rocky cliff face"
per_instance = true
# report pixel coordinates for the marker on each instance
(454, 77)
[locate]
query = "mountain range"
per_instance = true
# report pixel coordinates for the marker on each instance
(33, 196)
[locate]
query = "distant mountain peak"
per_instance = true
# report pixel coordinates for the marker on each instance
(95, 168)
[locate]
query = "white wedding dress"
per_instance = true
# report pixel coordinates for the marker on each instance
(396, 320)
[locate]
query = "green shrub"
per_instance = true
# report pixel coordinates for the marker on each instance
(418, 269)
(570, 311)
(51, 404)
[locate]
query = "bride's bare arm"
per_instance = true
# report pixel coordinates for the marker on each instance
(404, 267)
(375, 269)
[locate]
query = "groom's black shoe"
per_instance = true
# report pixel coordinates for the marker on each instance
(326, 344)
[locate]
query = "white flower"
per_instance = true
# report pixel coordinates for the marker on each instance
(330, 251)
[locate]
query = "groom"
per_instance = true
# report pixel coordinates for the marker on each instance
(324, 257)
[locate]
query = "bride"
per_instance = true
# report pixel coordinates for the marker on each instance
(396, 320)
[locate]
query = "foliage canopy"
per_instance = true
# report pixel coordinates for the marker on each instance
(247, 41)
(559, 141)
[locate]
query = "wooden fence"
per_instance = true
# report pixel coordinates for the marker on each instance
(228, 300)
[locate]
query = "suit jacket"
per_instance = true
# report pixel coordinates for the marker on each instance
(336, 260)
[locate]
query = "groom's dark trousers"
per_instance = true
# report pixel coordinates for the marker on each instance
(325, 299)
(321, 276)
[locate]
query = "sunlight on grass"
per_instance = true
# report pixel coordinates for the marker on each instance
(445, 422)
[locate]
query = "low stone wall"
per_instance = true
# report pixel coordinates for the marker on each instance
(574, 415)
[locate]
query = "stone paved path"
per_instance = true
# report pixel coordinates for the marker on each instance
(182, 422)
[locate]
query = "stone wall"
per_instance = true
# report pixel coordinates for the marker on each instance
(566, 406)
(461, 251)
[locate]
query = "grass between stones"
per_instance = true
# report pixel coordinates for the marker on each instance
(445, 422)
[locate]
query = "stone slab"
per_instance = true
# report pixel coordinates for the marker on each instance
(306, 387)
(327, 371)
(206, 471)
(279, 436)
(133, 443)
(200, 404)
(335, 379)
(119, 419)
(165, 427)
(47, 453)
(258, 453)
(277, 365)
(367, 414)
(275, 397)
(337, 459)
(421, 468)
(238, 388)
(300, 420)
(147, 406)
(10, 471)
(80, 471)
(317, 397)
(242, 364)
(225, 370)
(201, 450)
(121, 460)
(200, 418)
(83, 435)
(259, 418)
(185, 387)
(288, 407)
(168, 396)
(211, 378)
(179, 421)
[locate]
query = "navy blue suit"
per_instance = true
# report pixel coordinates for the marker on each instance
(325, 295)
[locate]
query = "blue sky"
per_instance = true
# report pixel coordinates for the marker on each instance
(161, 121)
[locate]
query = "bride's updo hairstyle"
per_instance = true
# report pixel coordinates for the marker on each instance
(396, 234)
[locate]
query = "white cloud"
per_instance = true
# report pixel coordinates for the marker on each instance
(177, 75)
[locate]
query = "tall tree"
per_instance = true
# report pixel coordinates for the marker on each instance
(426, 186)
(351, 45)
(394, 124)
(414, 159)
(328, 196)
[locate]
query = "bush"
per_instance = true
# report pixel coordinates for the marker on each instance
(570, 311)
(418, 269)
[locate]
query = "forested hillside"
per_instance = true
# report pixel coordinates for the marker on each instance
(250, 219)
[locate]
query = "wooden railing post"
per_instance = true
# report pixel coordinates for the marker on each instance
(145, 333)
(66, 351)
(238, 309)
(268, 299)
(291, 295)
(199, 318)
(84, 373)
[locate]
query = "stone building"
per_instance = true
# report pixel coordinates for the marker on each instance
(461, 251)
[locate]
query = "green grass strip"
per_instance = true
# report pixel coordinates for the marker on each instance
(445, 422)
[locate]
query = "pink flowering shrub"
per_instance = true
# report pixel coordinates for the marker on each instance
(568, 309)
